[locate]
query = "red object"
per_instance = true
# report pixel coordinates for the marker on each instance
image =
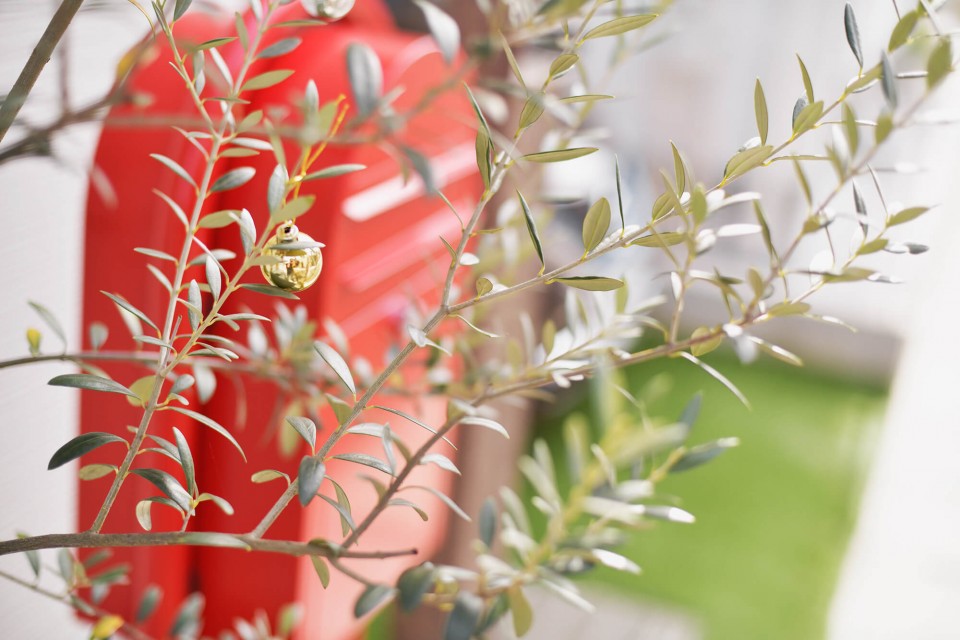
(382, 251)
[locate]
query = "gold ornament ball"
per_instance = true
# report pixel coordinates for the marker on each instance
(298, 263)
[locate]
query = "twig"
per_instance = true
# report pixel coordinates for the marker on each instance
(65, 599)
(38, 59)
(163, 367)
(193, 539)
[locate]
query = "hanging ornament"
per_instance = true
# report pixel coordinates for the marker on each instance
(328, 9)
(299, 260)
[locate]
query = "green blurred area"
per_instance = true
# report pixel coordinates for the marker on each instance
(774, 515)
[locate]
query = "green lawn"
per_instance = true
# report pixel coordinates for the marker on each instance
(773, 515)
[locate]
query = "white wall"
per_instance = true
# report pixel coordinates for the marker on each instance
(41, 223)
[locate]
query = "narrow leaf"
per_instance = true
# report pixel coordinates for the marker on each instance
(441, 461)
(413, 584)
(445, 499)
(532, 110)
(309, 479)
(366, 77)
(144, 517)
(306, 428)
(443, 28)
(292, 209)
(939, 64)
(563, 63)
(180, 8)
(173, 166)
(412, 419)
(619, 26)
(520, 611)
(365, 460)
(82, 444)
(850, 129)
(560, 155)
(337, 363)
(213, 424)
(148, 603)
(906, 215)
(703, 454)
(371, 598)
(269, 290)
(531, 228)
(50, 320)
(746, 160)
(487, 522)
(120, 302)
(186, 461)
(213, 44)
(323, 571)
(214, 278)
(853, 33)
(346, 519)
(233, 179)
(96, 471)
(346, 515)
(280, 48)
(92, 383)
(901, 33)
(463, 619)
(888, 80)
(807, 83)
(590, 283)
(421, 165)
(595, 224)
(195, 306)
(267, 79)
(623, 220)
(486, 423)
(168, 485)
(760, 110)
(334, 171)
(722, 379)
(267, 475)
(512, 61)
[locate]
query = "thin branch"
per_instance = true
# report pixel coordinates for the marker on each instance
(38, 59)
(65, 599)
(163, 367)
(192, 539)
(350, 573)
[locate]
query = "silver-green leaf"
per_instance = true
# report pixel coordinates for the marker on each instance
(233, 179)
(92, 383)
(213, 424)
(337, 363)
(309, 479)
(853, 33)
(531, 227)
(443, 28)
(306, 428)
(82, 444)
(595, 224)
(366, 77)
(371, 598)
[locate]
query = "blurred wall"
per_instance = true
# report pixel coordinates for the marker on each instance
(696, 89)
(41, 219)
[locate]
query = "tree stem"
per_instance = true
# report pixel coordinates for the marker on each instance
(113, 540)
(35, 63)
